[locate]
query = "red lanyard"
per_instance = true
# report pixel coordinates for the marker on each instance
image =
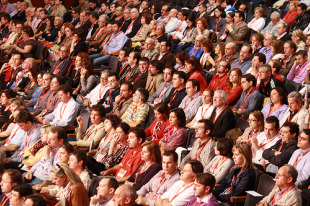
(247, 96)
(101, 92)
(53, 154)
(114, 36)
(204, 58)
(55, 10)
(201, 148)
(173, 95)
(9, 141)
(300, 68)
(107, 138)
(29, 86)
(150, 85)
(99, 32)
(142, 170)
(179, 192)
(196, 48)
(89, 131)
(280, 147)
(133, 112)
(203, 112)
(28, 136)
(110, 94)
(169, 133)
(216, 116)
(186, 104)
(162, 181)
(123, 68)
(62, 110)
(233, 179)
(156, 128)
(4, 200)
(262, 145)
(218, 165)
(297, 159)
(56, 70)
(275, 199)
(164, 90)
(43, 94)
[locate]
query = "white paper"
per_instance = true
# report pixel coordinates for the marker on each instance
(253, 193)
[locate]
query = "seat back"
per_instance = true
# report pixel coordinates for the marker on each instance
(265, 185)
(40, 54)
(291, 86)
(93, 186)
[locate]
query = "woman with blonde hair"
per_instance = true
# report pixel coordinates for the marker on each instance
(256, 122)
(299, 39)
(72, 192)
(151, 157)
(33, 154)
(258, 22)
(242, 176)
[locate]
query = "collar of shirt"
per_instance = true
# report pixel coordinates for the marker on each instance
(194, 96)
(219, 109)
(29, 131)
(303, 153)
(206, 199)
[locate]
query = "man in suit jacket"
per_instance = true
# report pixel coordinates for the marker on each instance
(150, 52)
(21, 15)
(239, 30)
(164, 88)
(288, 59)
(154, 78)
(140, 78)
(135, 23)
(59, 9)
(296, 111)
(94, 20)
(100, 33)
(222, 116)
(165, 57)
(75, 13)
(281, 32)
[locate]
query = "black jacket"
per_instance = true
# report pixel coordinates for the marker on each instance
(243, 183)
(286, 152)
(300, 22)
(109, 101)
(266, 89)
(224, 122)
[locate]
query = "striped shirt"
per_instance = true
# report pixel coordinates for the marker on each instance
(134, 113)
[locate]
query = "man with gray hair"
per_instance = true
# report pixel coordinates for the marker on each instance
(22, 78)
(282, 33)
(125, 195)
(271, 28)
(222, 116)
(266, 50)
(267, 80)
(296, 111)
(150, 52)
(100, 32)
(230, 53)
(172, 22)
(285, 181)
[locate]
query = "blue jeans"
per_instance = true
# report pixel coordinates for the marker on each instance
(98, 60)
(35, 181)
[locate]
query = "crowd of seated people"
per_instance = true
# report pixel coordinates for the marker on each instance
(140, 102)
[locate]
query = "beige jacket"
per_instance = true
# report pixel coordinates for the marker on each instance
(95, 135)
(291, 198)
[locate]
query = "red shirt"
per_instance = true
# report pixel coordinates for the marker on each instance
(290, 17)
(159, 133)
(198, 76)
(130, 162)
(218, 83)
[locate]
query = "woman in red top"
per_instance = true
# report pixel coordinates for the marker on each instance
(155, 131)
(194, 71)
(234, 88)
(292, 13)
